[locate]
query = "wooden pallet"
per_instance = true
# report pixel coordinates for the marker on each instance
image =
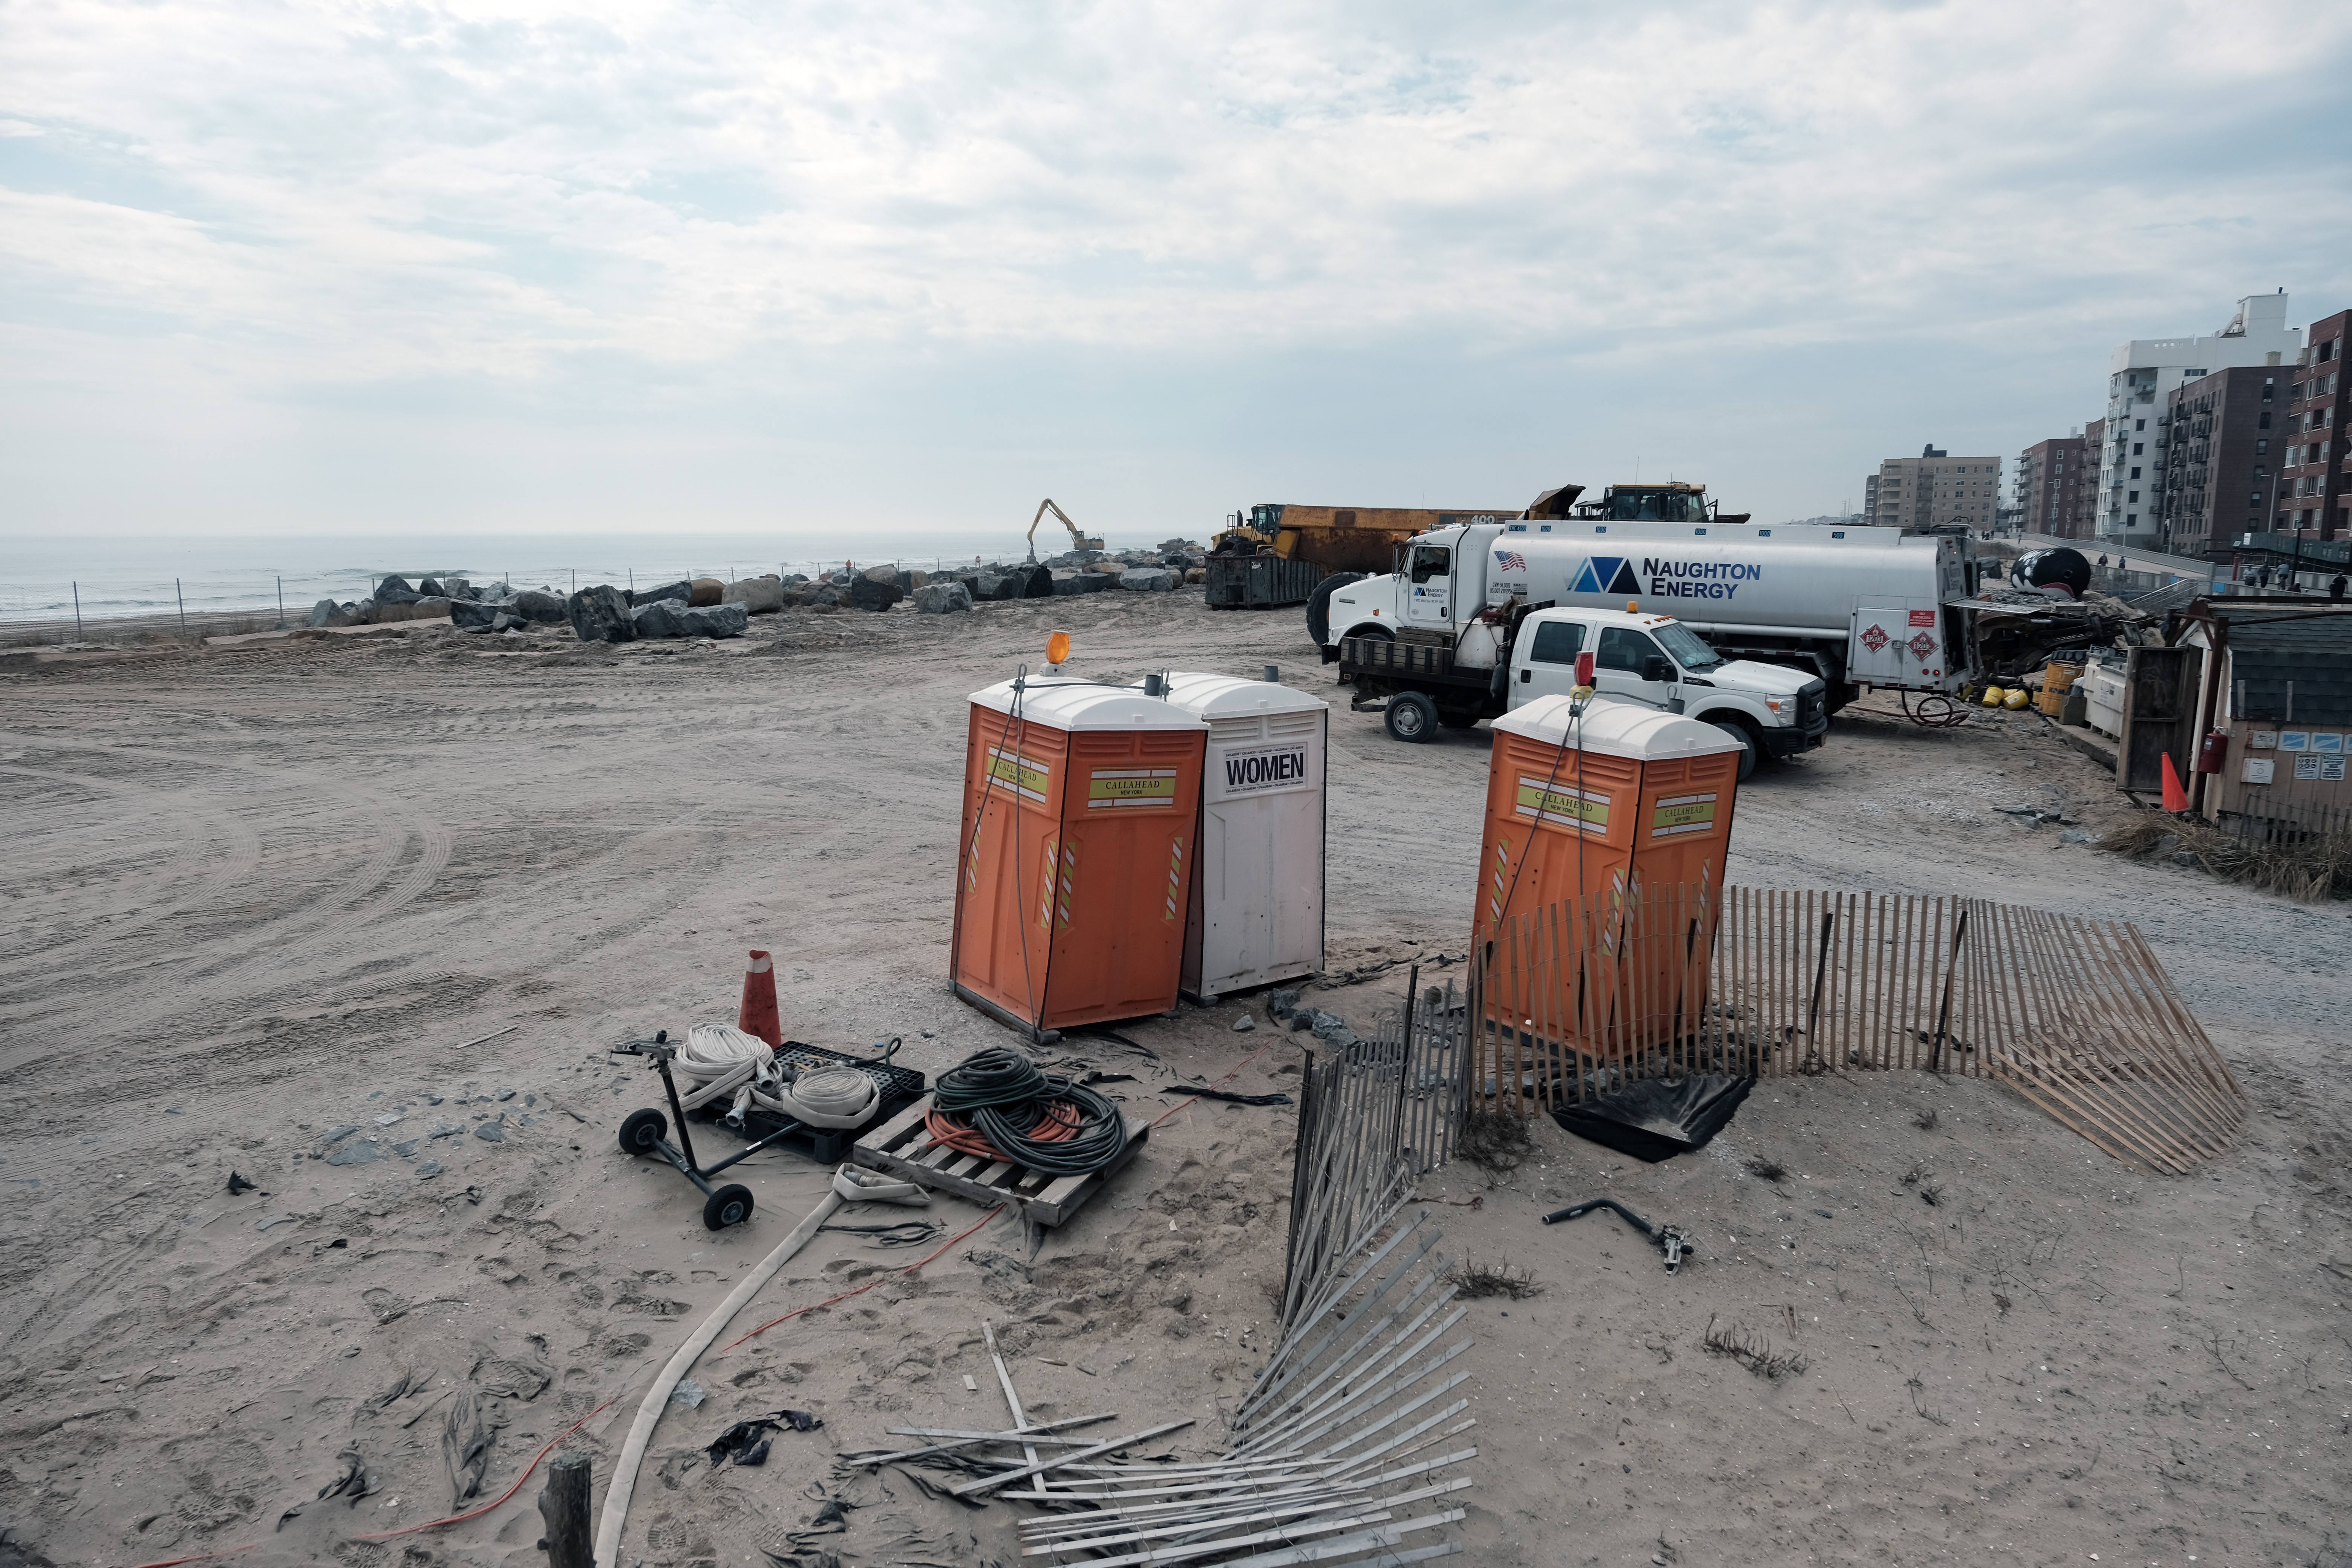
(903, 1147)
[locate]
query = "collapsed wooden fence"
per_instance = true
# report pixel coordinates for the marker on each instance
(1579, 998)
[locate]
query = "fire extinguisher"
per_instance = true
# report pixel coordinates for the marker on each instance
(2214, 752)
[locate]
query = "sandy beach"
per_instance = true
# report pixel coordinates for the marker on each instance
(261, 895)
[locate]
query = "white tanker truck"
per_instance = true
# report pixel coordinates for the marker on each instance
(1856, 606)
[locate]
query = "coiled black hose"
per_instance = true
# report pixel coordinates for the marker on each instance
(995, 1076)
(1099, 1139)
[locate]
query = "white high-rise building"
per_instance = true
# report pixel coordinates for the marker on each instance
(2141, 377)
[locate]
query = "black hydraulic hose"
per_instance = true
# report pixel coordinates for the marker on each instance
(995, 1076)
(1576, 1210)
(1670, 1239)
(1100, 1141)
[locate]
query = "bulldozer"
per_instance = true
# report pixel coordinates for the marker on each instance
(1077, 540)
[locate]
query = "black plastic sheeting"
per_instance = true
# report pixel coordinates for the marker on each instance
(1657, 1120)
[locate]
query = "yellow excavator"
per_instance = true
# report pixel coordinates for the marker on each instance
(1078, 540)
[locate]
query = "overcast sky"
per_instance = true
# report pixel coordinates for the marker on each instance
(309, 265)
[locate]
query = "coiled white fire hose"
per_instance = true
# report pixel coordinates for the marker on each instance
(827, 1097)
(718, 1059)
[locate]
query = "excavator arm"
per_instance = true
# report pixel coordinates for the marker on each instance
(1078, 541)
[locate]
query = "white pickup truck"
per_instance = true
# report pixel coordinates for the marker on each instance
(1530, 652)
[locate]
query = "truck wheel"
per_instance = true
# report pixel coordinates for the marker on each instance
(1412, 716)
(1749, 751)
(1318, 605)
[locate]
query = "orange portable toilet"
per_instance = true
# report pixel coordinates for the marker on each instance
(1590, 810)
(1080, 810)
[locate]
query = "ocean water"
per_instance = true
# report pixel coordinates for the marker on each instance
(41, 578)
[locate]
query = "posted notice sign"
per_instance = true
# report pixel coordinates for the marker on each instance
(1264, 767)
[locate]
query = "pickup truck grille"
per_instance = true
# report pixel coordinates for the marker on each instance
(1812, 706)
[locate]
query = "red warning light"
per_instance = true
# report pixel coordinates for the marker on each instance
(1584, 668)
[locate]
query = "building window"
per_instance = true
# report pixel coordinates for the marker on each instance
(2135, 473)
(2137, 447)
(2264, 423)
(2261, 447)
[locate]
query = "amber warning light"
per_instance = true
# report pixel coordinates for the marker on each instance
(1058, 647)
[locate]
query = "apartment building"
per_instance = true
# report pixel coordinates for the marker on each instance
(2048, 488)
(2142, 376)
(2086, 489)
(1933, 489)
(2315, 479)
(2222, 436)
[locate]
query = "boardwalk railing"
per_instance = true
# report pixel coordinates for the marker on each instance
(1579, 999)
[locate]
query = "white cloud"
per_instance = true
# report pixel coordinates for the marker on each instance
(725, 202)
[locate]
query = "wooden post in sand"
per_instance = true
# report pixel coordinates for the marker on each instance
(570, 1543)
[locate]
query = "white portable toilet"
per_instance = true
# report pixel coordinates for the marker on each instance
(1257, 888)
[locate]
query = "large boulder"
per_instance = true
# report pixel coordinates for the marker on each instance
(1036, 582)
(533, 606)
(1147, 580)
(757, 595)
(681, 590)
(469, 617)
(600, 615)
(716, 621)
(868, 594)
(1083, 582)
(394, 590)
(704, 592)
(327, 613)
(662, 619)
(434, 609)
(883, 574)
(941, 599)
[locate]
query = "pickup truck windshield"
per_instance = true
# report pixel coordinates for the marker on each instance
(1687, 648)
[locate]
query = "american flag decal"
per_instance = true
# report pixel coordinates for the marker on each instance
(1511, 560)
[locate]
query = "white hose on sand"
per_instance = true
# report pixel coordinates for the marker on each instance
(641, 1432)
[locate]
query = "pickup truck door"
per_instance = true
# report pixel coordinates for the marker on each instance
(1625, 662)
(1429, 587)
(1547, 667)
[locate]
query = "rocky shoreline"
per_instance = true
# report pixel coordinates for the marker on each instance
(709, 607)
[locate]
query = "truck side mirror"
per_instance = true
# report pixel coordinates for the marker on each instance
(1657, 667)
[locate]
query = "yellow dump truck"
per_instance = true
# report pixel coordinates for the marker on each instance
(1281, 552)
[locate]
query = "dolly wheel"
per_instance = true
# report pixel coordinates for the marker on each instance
(642, 1130)
(727, 1205)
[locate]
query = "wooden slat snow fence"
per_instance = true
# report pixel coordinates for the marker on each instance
(1571, 1000)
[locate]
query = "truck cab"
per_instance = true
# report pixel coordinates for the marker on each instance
(1658, 662)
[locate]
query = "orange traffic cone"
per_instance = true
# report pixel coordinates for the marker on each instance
(758, 1016)
(2175, 797)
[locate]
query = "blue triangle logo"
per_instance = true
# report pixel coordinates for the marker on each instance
(1605, 574)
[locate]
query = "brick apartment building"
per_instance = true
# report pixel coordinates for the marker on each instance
(2315, 477)
(2050, 488)
(1932, 490)
(2222, 436)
